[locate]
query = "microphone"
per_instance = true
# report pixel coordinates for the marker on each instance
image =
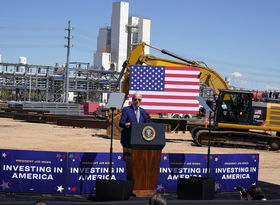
(146, 116)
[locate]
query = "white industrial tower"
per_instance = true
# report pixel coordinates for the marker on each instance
(138, 31)
(116, 42)
(119, 22)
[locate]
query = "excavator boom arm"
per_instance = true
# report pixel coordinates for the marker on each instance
(208, 76)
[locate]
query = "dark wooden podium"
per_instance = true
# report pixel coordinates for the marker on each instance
(142, 144)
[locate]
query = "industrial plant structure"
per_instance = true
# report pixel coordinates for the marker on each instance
(115, 43)
(24, 82)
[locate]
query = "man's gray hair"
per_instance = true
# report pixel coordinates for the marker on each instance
(136, 93)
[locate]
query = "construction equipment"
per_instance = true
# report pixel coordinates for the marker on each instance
(238, 121)
(208, 76)
(241, 122)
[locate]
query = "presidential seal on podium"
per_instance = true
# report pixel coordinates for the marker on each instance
(148, 133)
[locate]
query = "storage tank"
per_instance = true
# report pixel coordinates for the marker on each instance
(22, 60)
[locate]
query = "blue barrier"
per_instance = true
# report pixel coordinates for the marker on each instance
(76, 173)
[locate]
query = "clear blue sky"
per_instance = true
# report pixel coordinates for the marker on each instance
(237, 38)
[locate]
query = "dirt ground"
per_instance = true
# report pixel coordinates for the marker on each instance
(47, 137)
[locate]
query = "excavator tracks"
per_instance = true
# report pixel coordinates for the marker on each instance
(235, 138)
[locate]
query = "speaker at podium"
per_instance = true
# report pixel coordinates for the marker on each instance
(113, 190)
(143, 143)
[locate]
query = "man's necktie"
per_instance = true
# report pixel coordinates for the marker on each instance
(138, 115)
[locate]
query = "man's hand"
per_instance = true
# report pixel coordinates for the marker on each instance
(127, 125)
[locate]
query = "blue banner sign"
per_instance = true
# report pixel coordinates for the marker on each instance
(85, 168)
(76, 173)
(175, 166)
(33, 171)
(232, 170)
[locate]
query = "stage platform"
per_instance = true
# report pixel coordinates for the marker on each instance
(271, 191)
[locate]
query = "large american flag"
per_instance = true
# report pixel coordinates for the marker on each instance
(165, 89)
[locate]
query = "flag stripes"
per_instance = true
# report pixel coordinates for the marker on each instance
(166, 89)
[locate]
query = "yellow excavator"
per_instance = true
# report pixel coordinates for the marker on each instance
(238, 121)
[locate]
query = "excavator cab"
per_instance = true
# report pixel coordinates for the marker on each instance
(234, 107)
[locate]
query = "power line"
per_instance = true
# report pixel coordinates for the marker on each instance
(29, 28)
(30, 46)
(247, 72)
(83, 39)
(25, 36)
(85, 33)
(244, 68)
(84, 49)
(238, 65)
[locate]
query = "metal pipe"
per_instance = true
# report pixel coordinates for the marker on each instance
(172, 54)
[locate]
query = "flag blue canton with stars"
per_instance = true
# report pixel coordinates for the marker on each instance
(147, 78)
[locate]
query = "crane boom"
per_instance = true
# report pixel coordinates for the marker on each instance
(208, 76)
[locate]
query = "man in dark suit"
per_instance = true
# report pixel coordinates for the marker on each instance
(131, 114)
(134, 113)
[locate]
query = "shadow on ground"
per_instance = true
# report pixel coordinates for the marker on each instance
(100, 136)
(176, 140)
